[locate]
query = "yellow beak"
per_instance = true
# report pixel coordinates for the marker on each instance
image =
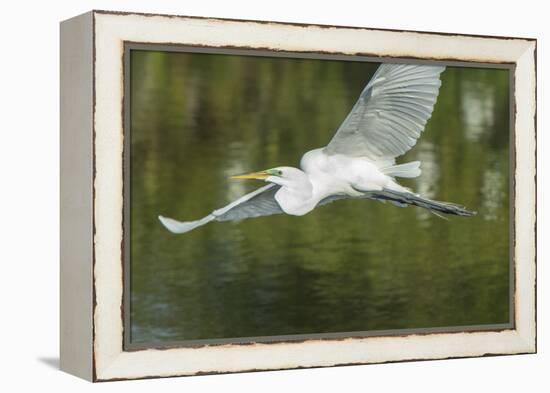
(254, 175)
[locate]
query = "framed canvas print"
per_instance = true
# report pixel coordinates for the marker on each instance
(245, 195)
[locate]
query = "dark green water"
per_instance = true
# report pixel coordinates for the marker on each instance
(348, 266)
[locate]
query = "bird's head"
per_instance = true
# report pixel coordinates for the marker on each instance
(283, 175)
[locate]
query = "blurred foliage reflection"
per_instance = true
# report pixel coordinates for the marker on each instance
(348, 266)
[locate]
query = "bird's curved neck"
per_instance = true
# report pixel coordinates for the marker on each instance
(295, 195)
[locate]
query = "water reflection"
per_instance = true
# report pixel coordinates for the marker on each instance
(479, 108)
(348, 266)
(494, 193)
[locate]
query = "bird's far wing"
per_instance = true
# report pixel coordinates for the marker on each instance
(390, 113)
(260, 202)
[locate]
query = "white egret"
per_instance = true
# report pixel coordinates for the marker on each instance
(359, 161)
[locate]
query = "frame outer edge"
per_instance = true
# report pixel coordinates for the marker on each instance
(526, 196)
(115, 363)
(76, 204)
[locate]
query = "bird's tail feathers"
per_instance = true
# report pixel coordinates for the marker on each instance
(408, 170)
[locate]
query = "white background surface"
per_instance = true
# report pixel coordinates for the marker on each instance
(29, 196)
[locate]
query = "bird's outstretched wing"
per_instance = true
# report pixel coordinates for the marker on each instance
(390, 113)
(255, 204)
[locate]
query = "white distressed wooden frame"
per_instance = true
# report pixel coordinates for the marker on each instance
(92, 89)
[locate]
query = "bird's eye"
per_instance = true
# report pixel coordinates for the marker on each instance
(275, 172)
